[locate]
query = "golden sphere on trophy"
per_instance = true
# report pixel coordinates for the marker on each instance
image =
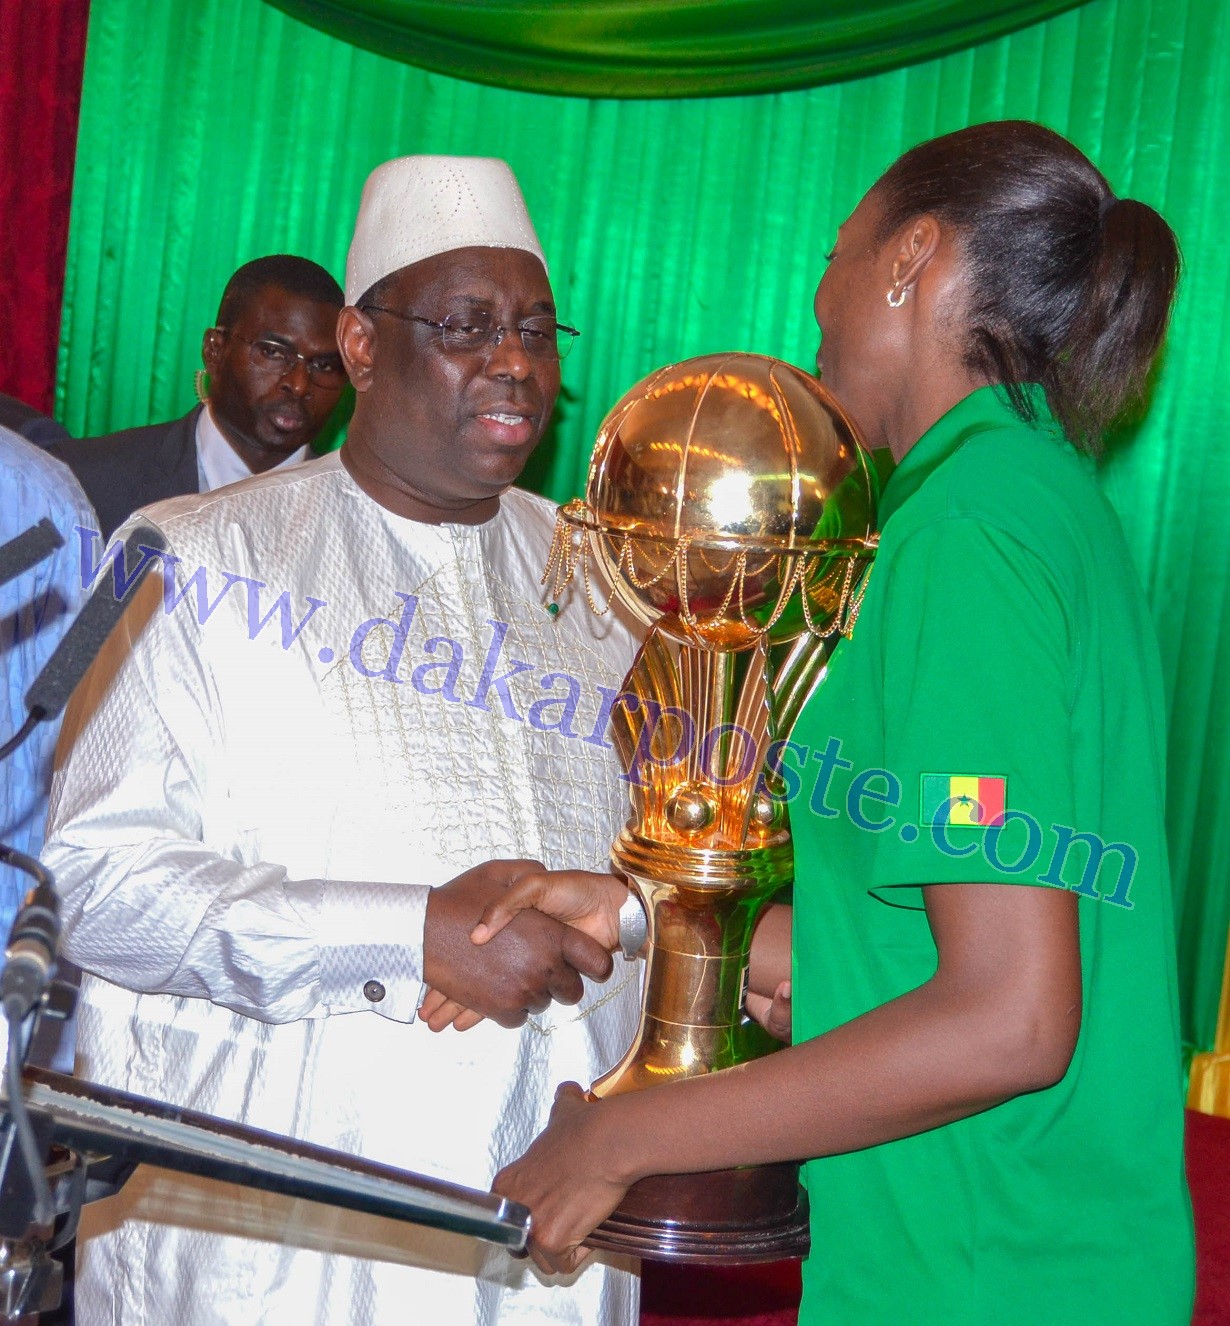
(691, 809)
(727, 501)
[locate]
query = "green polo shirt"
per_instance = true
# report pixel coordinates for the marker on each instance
(997, 716)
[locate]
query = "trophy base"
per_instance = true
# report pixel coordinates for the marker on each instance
(721, 1218)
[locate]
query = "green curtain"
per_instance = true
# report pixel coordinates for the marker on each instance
(216, 130)
(665, 48)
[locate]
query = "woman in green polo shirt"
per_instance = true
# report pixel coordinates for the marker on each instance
(985, 1073)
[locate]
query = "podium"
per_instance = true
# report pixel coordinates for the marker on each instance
(96, 1137)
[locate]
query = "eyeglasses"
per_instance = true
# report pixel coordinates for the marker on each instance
(473, 332)
(276, 358)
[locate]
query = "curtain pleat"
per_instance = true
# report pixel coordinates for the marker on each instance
(217, 130)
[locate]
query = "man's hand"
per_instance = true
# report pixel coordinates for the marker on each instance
(559, 1179)
(533, 959)
(774, 1015)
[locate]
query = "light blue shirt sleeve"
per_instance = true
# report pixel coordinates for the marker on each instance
(35, 611)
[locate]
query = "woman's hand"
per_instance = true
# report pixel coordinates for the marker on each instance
(565, 1179)
(583, 899)
(772, 1014)
(439, 1011)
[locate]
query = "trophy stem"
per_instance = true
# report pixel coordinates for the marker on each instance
(702, 908)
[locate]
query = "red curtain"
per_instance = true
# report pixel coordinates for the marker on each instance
(42, 50)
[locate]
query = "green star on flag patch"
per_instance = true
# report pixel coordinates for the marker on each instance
(969, 799)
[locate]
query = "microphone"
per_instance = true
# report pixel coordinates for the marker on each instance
(31, 951)
(28, 549)
(84, 639)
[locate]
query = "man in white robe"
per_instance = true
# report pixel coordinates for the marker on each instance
(371, 626)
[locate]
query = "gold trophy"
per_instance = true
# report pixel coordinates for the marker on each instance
(731, 506)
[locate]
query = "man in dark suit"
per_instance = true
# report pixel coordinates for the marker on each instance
(274, 376)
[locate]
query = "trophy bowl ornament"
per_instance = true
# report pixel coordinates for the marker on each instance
(731, 507)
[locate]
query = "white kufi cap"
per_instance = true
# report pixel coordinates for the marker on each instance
(415, 207)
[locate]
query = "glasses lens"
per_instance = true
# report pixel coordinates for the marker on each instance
(271, 356)
(327, 371)
(539, 339)
(546, 339)
(564, 339)
(466, 332)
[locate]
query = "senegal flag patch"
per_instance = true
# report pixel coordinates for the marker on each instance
(971, 799)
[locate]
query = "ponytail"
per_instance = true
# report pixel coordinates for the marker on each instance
(1067, 286)
(1104, 364)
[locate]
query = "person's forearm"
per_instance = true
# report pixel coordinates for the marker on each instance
(148, 905)
(920, 1061)
(770, 961)
(175, 918)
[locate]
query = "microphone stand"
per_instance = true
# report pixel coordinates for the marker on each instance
(42, 1186)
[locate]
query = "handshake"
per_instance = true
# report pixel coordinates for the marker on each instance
(506, 938)
(503, 940)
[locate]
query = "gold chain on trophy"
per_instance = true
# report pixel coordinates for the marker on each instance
(571, 544)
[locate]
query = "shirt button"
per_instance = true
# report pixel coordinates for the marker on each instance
(373, 991)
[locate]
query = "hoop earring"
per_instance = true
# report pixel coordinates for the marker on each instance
(198, 385)
(899, 291)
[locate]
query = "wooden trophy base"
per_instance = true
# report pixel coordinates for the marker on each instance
(725, 1217)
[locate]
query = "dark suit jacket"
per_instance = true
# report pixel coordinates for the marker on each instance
(123, 471)
(27, 421)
